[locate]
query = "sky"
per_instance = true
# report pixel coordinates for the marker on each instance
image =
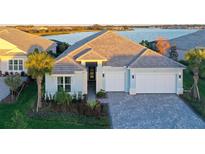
(102, 12)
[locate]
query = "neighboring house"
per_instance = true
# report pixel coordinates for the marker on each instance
(114, 63)
(15, 45)
(189, 41)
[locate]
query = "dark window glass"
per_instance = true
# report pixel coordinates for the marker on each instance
(10, 64)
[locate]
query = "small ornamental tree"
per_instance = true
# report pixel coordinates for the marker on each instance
(162, 45)
(195, 58)
(38, 64)
(173, 54)
(13, 82)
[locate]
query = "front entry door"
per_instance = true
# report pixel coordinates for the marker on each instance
(91, 74)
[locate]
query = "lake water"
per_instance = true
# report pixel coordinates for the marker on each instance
(137, 35)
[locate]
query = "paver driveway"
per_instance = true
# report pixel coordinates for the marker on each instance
(151, 111)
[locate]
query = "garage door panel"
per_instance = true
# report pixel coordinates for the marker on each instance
(115, 81)
(155, 83)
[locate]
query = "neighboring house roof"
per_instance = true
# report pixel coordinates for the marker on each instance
(12, 52)
(189, 41)
(8, 49)
(25, 41)
(114, 50)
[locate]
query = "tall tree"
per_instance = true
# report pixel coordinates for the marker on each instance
(38, 64)
(173, 54)
(162, 45)
(195, 58)
(13, 82)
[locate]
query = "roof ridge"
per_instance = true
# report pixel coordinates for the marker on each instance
(137, 56)
(91, 50)
(66, 52)
(150, 50)
(81, 53)
(190, 34)
(168, 58)
(74, 62)
(130, 40)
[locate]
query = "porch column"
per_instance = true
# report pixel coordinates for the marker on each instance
(99, 78)
(85, 83)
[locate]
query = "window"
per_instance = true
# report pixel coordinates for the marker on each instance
(16, 65)
(60, 83)
(64, 83)
(21, 65)
(10, 64)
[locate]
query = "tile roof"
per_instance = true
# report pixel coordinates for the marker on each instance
(25, 41)
(189, 41)
(80, 44)
(66, 66)
(152, 59)
(89, 54)
(117, 50)
(9, 49)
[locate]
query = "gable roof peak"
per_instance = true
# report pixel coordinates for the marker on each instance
(81, 43)
(152, 59)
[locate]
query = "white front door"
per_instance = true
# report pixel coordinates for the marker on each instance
(155, 83)
(115, 81)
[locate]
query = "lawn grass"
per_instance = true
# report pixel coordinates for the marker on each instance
(198, 107)
(25, 104)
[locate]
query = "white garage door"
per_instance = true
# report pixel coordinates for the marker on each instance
(155, 83)
(115, 81)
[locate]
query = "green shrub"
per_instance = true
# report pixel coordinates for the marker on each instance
(17, 121)
(92, 104)
(80, 96)
(101, 94)
(74, 98)
(184, 62)
(13, 82)
(62, 98)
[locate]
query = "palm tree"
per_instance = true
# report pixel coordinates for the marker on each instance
(39, 63)
(195, 58)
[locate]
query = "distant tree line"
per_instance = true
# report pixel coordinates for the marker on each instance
(67, 29)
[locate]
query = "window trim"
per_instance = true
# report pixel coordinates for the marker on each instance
(18, 65)
(65, 84)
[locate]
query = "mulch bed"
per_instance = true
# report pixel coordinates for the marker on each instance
(73, 108)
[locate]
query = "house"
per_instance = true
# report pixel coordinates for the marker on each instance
(15, 45)
(189, 41)
(113, 63)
